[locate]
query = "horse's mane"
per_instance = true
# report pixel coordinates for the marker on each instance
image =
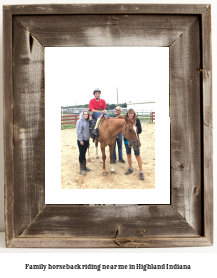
(118, 117)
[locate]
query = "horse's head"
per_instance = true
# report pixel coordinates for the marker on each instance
(130, 132)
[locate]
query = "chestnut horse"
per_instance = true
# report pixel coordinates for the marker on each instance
(109, 129)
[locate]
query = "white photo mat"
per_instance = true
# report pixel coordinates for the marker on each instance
(72, 73)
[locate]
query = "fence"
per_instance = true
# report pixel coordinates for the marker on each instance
(69, 120)
(146, 116)
(152, 117)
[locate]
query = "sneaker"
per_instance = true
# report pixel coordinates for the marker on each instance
(141, 176)
(114, 161)
(129, 171)
(122, 161)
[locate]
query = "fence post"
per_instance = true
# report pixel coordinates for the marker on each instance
(61, 118)
(152, 117)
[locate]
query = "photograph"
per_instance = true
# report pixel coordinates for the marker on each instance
(109, 146)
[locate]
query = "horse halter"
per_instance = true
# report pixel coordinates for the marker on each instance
(130, 142)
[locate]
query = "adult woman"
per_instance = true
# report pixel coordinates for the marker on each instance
(83, 135)
(132, 115)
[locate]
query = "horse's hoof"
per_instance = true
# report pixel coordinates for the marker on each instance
(89, 160)
(112, 172)
(104, 173)
(97, 157)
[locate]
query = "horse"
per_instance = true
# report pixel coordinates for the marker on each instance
(109, 129)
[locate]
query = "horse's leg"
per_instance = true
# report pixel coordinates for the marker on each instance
(111, 148)
(96, 145)
(103, 158)
(88, 153)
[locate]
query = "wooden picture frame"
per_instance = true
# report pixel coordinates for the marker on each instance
(186, 30)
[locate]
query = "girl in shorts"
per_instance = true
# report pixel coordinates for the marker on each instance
(131, 115)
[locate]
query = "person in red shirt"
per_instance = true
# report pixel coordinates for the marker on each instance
(97, 106)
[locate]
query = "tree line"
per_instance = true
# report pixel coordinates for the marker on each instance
(108, 106)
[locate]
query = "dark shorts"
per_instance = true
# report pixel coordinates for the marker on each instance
(128, 150)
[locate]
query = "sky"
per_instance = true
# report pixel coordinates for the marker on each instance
(137, 72)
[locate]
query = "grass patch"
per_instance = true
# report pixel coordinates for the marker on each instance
(68, 126)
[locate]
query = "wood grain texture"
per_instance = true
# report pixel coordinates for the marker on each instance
(207, 67)
(207, 122)
(8, 125)
(69, 242)
(29, 130)
(207, 119)
(186, 30)
(107, 30)
(109, 221)
(208, 183)
(106, 9)
(186, 133)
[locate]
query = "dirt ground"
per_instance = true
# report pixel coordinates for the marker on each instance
(72, 179)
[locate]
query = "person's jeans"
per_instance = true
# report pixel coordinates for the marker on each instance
(82, 150)
(96, 115)
(119, 143)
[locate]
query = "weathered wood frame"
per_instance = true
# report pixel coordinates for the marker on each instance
(188, 220)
